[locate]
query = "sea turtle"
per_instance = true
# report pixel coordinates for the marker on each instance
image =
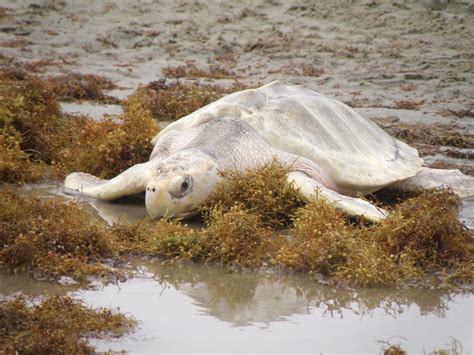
(333, 153)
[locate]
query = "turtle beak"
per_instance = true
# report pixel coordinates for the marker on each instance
(157, 201)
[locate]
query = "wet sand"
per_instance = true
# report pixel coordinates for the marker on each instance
(405, 61)
(371, 52)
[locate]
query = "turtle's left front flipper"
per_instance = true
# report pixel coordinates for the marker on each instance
(309, 189)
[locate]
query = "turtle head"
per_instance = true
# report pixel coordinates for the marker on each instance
(180, 184)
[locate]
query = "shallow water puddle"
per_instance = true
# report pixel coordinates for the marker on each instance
(466, 215)
(206, 309)
(95, 111)
(201, 308)
(127, 210)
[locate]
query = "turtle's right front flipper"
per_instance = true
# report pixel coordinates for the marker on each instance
(310, 188)
(129, 182)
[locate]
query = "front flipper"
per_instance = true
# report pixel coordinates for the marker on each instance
(310, 188)
(131, 181)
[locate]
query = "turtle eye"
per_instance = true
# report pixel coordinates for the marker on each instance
(181, 186)
(185, 185)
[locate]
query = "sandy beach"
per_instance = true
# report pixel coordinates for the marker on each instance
(369, 53)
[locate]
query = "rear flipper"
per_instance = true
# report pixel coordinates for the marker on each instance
(310, 188)
(427, 178)
(131, 181)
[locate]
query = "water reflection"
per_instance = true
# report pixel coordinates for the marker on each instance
(12, 283)
(245, 298)
(130, 209)
(466, 214)
(202, 308)
(199, 308)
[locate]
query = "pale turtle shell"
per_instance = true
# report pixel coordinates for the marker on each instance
(357, 154)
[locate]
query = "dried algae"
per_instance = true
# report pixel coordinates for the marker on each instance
(421, 237)
(58, 324)
(263, 192)
(165, 239)
(51, 238)
(171, 100)
(108, 147)
(15, 164)
(236, 237)
(78, 86)
(34, 131)
(190, 70)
